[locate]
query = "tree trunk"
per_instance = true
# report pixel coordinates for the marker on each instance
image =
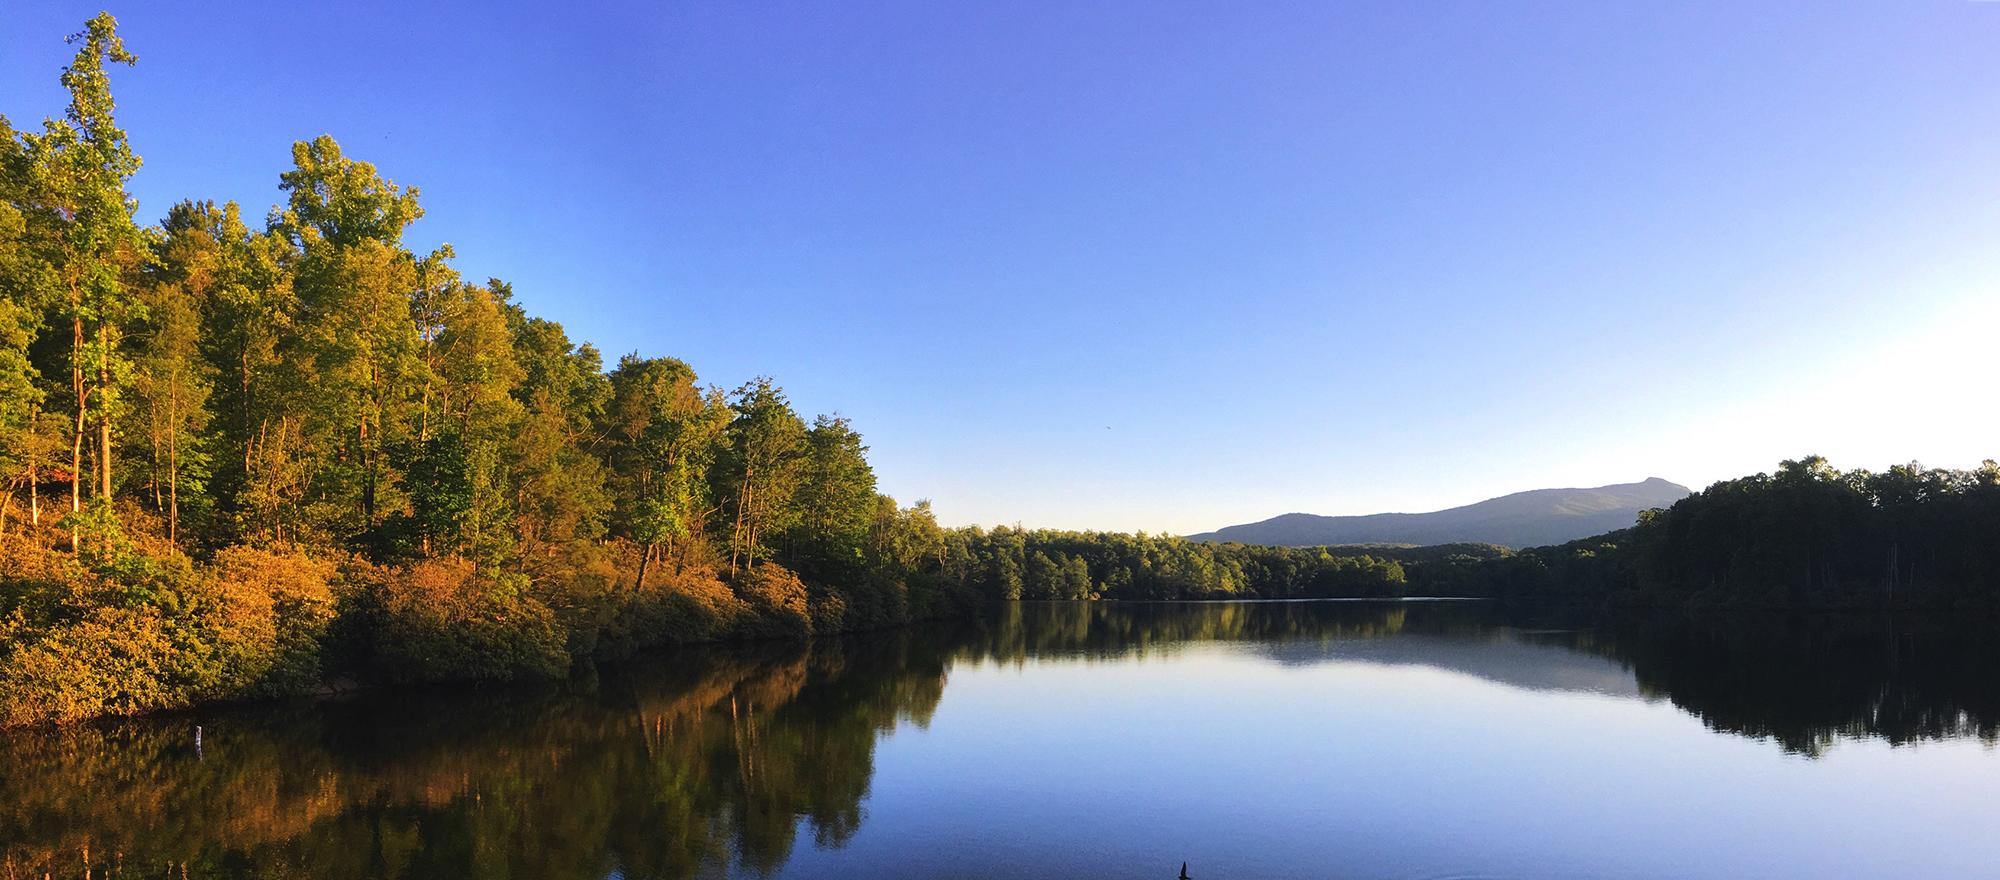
(424, 410)
(367, 476)
(744, 519)
(645, 555)
(243, 406)
(104, 421)
(76, 436)
(173, 461)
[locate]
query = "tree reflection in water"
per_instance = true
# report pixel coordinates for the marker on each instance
(666, 771)
(710, 762)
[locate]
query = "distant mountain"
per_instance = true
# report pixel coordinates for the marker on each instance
(1523, 519)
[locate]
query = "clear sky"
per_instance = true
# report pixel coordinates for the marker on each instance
(1164, 266)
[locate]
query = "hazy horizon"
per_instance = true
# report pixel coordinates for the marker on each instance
(1173, 267)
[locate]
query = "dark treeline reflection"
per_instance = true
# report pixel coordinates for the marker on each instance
(650, 773)
(717, 762)
(1810, 680)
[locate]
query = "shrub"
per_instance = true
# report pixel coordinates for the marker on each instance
(163, 635)
(779, 600)
(677, 608)
(113, 661)
(287, 595)
(445, 620)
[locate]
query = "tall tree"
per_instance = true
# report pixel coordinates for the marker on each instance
(356, 354)
(665, 436)
(248, 310)
(172, 379)
(767, 451)
(836, 501)
(558, 487)
(81, 164)
(475, 374)
(30, 438)
(431, 305)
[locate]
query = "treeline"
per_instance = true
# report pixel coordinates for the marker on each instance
(1808, 535)
(1009, 563)
(259, 458)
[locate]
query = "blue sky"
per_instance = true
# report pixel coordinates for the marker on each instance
(1170, 266)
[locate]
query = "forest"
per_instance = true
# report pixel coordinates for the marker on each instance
(245, 458)
(1808, 535)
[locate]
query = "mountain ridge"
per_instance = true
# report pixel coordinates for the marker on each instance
(1532, 518)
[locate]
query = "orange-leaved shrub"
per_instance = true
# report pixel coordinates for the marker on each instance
(447, 620)
(138, 633)
(781, 602)
(285, 601)
(138, 626)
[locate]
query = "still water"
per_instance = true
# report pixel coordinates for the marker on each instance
(1250, 740)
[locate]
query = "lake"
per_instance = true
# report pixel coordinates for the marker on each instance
(1413, 740)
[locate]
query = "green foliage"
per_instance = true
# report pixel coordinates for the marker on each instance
(437, 478)
(29, 442)
(761, 469)
(667, 436)
(556, 484)
(1808, 535)
(78, 219)
(836, 501)
(342, 202)
(1009, 563)
(303, 453)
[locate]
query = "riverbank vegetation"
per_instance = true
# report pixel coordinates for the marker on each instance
(244, 459)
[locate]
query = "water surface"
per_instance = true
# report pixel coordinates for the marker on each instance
(1251, 740)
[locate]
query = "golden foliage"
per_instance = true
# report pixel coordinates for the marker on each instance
(83, 645)
(153, 630)
(445, 619)
(285, 604)
(780, 599)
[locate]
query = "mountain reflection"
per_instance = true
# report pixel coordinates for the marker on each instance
(716, 762)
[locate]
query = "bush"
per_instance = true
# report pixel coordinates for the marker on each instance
(779, 601)
(606, 616)
(113, 661)
(289, 597)
(445, 620)
(159, 634)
